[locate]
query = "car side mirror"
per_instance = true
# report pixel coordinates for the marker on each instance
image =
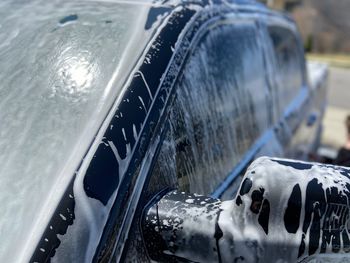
(284, 211)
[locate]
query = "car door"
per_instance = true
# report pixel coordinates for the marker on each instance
(216, 119)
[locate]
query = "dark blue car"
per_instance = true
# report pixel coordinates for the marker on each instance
(107, 105)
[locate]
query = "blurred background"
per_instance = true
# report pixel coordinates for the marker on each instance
(325, 28)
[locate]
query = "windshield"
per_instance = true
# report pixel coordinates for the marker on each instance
(62, 64)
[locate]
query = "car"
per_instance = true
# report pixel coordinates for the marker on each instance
(107, 106)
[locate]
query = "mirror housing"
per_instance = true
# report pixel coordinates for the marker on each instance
(284, 211)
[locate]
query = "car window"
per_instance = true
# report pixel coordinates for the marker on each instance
(289, 65)
(219, 109)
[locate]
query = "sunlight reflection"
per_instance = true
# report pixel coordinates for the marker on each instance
(76, 75)
(81, 74)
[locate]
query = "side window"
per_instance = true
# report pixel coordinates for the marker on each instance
(289, 64)
(219, 110)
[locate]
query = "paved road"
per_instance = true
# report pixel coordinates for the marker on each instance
(334, 133)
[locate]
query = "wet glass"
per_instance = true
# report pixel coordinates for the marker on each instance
(219, 111)
(289, 64)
